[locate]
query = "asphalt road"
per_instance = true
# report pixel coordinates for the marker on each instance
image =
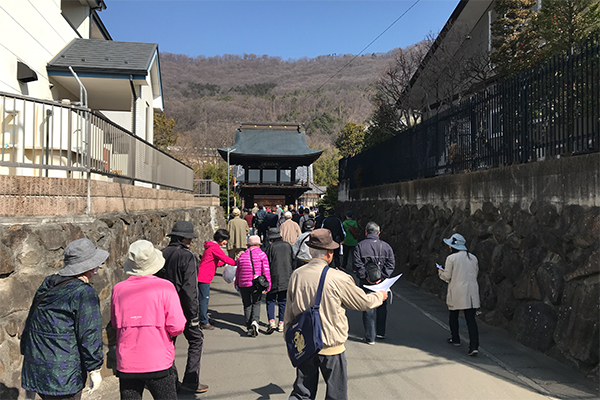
(413, 362)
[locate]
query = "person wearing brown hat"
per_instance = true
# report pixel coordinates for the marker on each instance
(238, 233)
(147, 314)
(339, 292)
(62, 338)
(181, 268)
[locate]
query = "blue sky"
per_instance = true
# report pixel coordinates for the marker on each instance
(284, 28)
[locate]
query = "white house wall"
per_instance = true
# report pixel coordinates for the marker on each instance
(32, 32)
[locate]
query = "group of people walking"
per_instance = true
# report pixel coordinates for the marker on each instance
(167, 294)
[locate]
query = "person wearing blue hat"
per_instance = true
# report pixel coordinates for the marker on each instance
(460, 271)
(62, 338)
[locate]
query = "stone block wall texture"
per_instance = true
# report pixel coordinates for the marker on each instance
(30, 252)
(38, 196)
(539, 259)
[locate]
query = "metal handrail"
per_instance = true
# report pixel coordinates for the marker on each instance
(47, 138)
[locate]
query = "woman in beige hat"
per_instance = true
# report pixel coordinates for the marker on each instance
(252, 263)
(147, 314)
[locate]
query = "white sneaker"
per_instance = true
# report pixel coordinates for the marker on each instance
(254, 327)
(280, 327)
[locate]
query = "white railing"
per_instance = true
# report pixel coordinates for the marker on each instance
(46, 138)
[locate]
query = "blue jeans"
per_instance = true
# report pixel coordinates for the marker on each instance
(203, 295)
(372, 327)
(279, 298)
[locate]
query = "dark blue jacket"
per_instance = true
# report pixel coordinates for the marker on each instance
(372, 249)
(62, 340)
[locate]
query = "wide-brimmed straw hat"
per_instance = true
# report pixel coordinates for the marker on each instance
(81, 256)
(143, 259)
(254, 240)
(456, 241)
(183, 229)
(321, 239)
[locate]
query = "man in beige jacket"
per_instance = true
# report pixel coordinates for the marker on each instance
(289, 229)
(238, 233)
(339, 292)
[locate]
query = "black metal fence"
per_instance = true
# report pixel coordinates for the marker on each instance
(550, 110)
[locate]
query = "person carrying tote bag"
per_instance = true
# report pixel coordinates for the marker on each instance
(251, 264)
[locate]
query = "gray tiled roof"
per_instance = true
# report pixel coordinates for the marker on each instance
(267, 143)
(104, 56)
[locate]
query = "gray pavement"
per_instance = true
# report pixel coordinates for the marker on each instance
(413, 362)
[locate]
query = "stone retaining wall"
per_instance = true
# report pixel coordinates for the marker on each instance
(30, 252)
(539, 259)
(39, 196)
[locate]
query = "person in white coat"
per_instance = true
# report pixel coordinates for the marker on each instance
(460, 271)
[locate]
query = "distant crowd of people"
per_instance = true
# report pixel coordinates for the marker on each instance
(278, 252)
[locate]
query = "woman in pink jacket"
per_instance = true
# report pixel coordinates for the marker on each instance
(212, 258)
(251, 263)
(147, 314)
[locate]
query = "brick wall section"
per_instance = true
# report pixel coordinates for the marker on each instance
(39, 196)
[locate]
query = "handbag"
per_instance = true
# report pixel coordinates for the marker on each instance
(303, 338)
(373, 270)
(259, 282)
(295, 260)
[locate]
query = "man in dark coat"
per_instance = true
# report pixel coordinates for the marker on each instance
(280, 256)
(181, 268)
(259, 222)
(373, 250)
(334, 224)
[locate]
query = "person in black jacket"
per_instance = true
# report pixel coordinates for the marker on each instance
(280, 256)
(374, 250)
(334, 224)
(181, 268)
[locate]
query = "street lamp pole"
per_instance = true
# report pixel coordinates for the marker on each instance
(228, 187)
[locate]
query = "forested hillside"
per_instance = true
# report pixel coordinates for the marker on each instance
(209, 96)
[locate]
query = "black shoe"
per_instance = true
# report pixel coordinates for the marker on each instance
(450, 341)
(380, 337)
(270, 330)
(473, 352)
(200, 388)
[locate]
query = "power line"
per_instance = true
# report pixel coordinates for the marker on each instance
(361, 52)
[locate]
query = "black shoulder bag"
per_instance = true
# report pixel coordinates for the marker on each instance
(259, 282)
(304, 338)
(373, 270)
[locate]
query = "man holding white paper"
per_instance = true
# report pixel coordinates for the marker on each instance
(374, 261)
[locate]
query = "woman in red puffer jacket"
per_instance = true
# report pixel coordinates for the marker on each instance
(212, 258)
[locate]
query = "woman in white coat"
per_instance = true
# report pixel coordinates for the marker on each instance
(460, 271)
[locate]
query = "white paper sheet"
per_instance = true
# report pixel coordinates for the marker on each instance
(386, 284)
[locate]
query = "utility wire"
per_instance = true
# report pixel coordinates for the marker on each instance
(361, 52)
(349, 62)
